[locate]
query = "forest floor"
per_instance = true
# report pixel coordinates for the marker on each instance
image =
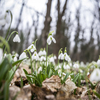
(51, 89)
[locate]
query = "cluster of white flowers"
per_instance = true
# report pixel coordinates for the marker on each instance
(76, 65)
(52, 59)
(4, 17)
(64, 57)
(42, 55)
(66, 66)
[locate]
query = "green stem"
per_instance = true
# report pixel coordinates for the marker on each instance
(11, 35)
(30, 61)
(9, 25)
(46, 58)
(62, 66)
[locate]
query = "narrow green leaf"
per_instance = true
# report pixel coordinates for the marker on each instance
(76, 78)
(64, 79)
(97, 94)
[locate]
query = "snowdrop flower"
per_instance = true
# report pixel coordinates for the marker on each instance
(88, 73)
(95, 75)
(40, 69)
(67, 58)
(15, 57)
(66, 66)
(51, 59)
(98, 62)
(1, 55)
(76, 65)
(32, 48)
(5, 55)
(50, 39)
(22, 56)
(61, 56)
(55, 57)
(42, 53)
(42, 58)
(4, 17)
(35, 56)
(16, 38)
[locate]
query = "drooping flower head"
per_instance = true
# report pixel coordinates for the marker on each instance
(4, 17)
(16, 38)
(23, 55)
(50, 38)
(42, 52)
(66, 57)
(35, 56)
(95, 75)
(32, 48)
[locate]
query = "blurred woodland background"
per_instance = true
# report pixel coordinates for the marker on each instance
(75, 26)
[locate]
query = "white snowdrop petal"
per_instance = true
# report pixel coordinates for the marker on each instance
(15, 58)
(53, 39)
(95, 75)
(98, 62)
(22, 56)
(49, 40)
(16, 38)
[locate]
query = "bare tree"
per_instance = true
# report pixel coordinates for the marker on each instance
(47, 22)
(59, 24)
(21, 11)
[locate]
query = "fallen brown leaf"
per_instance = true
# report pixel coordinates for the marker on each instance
(53, 83)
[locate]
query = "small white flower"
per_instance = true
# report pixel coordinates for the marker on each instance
(98, 62)
(51, 59)
(16, 38)
(42, 53)
(22, 56)
(4, 17)
(88, 73)
(32, 48)
(16, 55)
(35, 56)
(5, 55)
(66, 66)
(1, 55)
(40, 69)
(76, 65)
(15, 58)
(50, 39)
(67, 58)
(55, 57)
(95, 75)
(42, 58)
(61, 56)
